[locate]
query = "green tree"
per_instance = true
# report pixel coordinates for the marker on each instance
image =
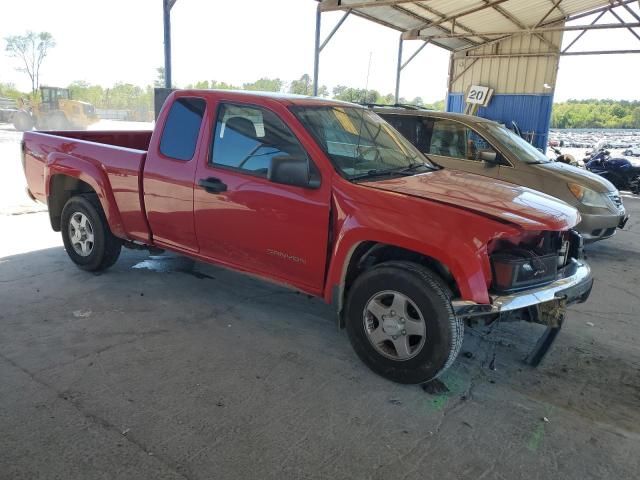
(30, 49)
(223, 85)
(303, 86)
(592, 113)
(9, 90)
(356, 95)
(264, 85)
(81, 90)
(159, 80)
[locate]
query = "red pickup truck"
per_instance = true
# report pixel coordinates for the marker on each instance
(326, 197)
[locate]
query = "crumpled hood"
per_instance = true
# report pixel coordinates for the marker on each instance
(572, 174)
(527, 208)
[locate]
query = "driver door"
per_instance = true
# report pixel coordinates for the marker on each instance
(245, 220)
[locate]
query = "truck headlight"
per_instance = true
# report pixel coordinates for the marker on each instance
(588, 197)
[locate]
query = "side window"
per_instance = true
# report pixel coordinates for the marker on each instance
(247, 138)
(453, 139)
(182, 127)
(407, 126)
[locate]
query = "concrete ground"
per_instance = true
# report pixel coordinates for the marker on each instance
(162, 368)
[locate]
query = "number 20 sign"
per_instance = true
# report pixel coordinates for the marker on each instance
(479, 95)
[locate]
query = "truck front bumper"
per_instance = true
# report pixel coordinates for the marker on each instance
(573, 285)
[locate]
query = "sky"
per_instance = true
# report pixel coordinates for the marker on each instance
(240, 41)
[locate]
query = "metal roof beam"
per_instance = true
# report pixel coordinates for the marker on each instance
(560, 9)
(442, 15)
(584, 31)
(518, 23)
(334, 30)
(577, 16)
(547, 54)
(601, 10)
(532, 31)
(554, 6)
(418, 50)
(332, 5)
(452, 18)
(623, 22)
(422, 19)
(628, 9)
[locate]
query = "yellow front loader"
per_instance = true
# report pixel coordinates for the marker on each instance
(54, 110)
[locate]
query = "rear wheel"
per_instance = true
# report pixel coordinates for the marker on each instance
(86, 235)
(401, 324)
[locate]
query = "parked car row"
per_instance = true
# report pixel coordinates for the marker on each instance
(410, 239)
(633, 151)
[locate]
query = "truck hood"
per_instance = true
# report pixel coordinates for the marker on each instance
(527, 208)
(572, 174)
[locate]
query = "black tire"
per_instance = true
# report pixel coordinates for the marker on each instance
(432, 297)
(105, 247)
(22, 121)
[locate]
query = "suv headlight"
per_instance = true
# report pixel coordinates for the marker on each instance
(588, 197)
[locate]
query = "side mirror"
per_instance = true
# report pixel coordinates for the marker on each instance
(292, 171)
(489, 157)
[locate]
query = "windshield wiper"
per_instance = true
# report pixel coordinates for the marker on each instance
(391, 171)
(376, 173)
(414, 166)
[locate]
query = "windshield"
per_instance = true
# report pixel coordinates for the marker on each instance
(359, 142)
(522, 149)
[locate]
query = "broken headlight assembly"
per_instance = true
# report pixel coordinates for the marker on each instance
(519, 269)
(534, 261)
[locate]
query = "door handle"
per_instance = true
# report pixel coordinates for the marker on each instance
(212, 185)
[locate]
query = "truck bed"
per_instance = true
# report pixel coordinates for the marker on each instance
(118, 155)
(135, 139)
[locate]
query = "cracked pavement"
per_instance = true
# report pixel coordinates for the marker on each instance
(179, 370)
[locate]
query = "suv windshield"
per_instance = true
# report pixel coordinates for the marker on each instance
(522, 149)
(359, 142)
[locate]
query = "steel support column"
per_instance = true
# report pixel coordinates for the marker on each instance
(320, 46)
(399, 69)
(316, 53)
(401, 65)
(166, 10)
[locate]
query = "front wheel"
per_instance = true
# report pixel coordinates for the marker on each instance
(401, 324)
(86, 234)
(22, 121)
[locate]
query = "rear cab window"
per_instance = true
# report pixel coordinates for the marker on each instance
(182, 127)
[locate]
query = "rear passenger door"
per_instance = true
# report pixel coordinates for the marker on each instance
(169, 175)
(452, 144)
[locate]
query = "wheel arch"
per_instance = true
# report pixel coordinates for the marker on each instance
(366, 254)
(68, 176)
(61, 189)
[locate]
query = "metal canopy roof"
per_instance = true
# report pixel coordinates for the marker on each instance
(466, 24)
